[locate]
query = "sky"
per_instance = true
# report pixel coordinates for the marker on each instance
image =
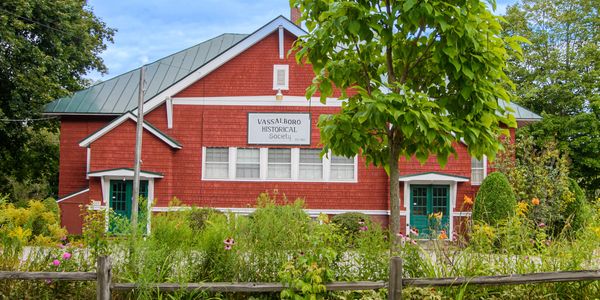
(148, 30)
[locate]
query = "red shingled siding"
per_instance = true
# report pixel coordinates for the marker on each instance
(71, 177)
(251, 73)
(116, 150)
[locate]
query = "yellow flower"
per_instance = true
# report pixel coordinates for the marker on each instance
(522, 208)
(467, 200)
(20, 234)
(535, 201)
(443, 235)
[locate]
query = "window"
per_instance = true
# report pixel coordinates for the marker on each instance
(276, 164)
(342, 168)
(477, 170)
(248, 163)
(279, 163)
(311, 164)
(280, 77)
(217, 163)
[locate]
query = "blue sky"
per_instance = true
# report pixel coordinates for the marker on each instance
(151, 29)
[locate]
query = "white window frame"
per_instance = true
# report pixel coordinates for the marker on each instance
(290, 163)
(295, 168)
(330, 164)
(246, 163)
(276, 69)
(205, 161)
(311, 164)
(483, 169)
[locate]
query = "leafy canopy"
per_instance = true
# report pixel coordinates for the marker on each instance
(421, 75)
(417, 75)
(46, 49)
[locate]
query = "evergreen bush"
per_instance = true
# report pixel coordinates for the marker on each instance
(575, 212)
(495, 200)
(351, 222)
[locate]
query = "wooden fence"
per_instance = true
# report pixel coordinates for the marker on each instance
(396, 282)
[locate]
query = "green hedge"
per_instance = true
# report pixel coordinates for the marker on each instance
(495, 200)
(351, 221)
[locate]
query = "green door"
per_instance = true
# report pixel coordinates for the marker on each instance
(427, 200)
(120, 195)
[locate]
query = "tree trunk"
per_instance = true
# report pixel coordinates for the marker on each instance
(394, 197)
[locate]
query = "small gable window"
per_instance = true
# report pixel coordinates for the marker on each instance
(281, 77)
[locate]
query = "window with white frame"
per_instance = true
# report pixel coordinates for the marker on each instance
(280, 77)
(310, 164)
(342, 168)
(217, 163)
(477, 170)
(247, 163)
(279, 163)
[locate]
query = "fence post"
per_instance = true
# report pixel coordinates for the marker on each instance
(104, 277)
(395, 283)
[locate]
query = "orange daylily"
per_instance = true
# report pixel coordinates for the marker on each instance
(535, 201)
(468, 200)
(443, 235)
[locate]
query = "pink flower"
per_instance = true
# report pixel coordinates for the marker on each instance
(227, 247)
(414, 231)
(64, 238)
(400, 235)
(361, 222)
(56, 262)
(66, 255)
(229, 241)
(413, 242)
(364, 228)
(541, 225)
(61, 246)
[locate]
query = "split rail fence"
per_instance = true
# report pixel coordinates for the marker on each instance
(105, 286)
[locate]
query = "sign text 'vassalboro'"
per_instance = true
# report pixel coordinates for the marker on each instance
(279, 128)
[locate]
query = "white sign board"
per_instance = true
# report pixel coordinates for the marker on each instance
(279, 128)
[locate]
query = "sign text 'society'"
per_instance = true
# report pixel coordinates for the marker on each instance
(279, 128)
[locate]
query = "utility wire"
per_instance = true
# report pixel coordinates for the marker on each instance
(27, 120)
(33, 21)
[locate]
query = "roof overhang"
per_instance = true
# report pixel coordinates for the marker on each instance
(129, 116)
(434, 177)
(124, 172)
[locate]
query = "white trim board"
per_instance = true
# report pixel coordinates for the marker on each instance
(428, 178)
(127, 116)
(123, 173)
(73, 195)
(311, 212)
(224, 57)
(266, 100)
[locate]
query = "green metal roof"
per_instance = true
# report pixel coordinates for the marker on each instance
(119, 94)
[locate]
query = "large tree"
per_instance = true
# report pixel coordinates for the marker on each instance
(560, 77)
(46, 49)
(424, 74)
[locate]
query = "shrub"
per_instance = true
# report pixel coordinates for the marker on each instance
(495, 200)
(352, 222)
(575, 211)
(199, 216)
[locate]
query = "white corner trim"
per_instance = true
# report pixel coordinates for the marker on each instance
(127, 116)
(169, 104)
(267, 100)
(88, 152)
(249, 210)
(123, 173)
(281, 43)
(223, 58)
(73, 195)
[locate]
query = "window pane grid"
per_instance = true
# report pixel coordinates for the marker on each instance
(477, 171)
(249, 163)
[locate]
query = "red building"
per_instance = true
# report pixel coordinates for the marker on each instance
(226, 120)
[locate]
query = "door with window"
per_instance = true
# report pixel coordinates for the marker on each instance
(427, 201)
(120, 196)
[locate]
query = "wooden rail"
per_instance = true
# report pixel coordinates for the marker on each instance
(103, 278)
